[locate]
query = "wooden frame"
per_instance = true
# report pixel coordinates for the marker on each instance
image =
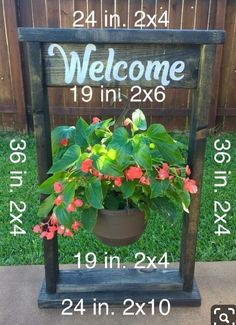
(176, 285)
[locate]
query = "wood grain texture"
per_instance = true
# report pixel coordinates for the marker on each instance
(174, 97)
(113, 297)
(15, 65)
(47, 13)
(155, 36)
(219, 23)
(6, 91)
(41, 120)
(24, 18)
(106, 111)
(197, 144)
(96, 280)
(56, 96)
(227, 97)
(55, 68)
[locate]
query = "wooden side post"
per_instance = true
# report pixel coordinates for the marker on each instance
(196, 154)
(42, 131)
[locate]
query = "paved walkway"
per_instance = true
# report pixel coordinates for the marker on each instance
(19, 287)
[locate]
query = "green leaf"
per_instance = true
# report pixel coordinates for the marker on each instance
(46, 206)
(127, 189)
(47, 186)
(70, 157)
(139, 120)
(165, 207)
(120, 143)
(98, 149)
(165, 144)
(89, 218)
(156, 187)
(142, 155)
(81, 133)
(120, 137)
(94, 193)
(59, 133)
(108, 167)
(69, 192)
(124, 153)
(185, 200)
(112, 154)
(157, 132)
(63, 216)
(93, 136)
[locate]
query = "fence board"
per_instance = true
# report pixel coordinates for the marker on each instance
(200, 14)
(227, 99)
(14, 62)
(5, 78)
(67, 8)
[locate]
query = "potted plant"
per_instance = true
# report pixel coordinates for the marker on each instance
(110, 176)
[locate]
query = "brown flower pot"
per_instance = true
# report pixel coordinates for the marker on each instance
(119, 227)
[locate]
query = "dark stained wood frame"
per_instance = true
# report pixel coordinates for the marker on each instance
(176, 285)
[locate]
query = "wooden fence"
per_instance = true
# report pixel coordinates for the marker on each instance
(15, 105)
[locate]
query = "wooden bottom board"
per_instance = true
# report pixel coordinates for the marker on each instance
(114, 286)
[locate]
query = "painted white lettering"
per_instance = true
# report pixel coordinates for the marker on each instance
(96, 67)
(70, 69)
(116, 69)
(84, 66)
(177, 67)
(136, 65)
(158, 66)
(110, 60)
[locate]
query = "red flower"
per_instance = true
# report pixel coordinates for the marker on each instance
(133, 173)
(64, 142)
(86, 165)
(53, 219)
(76, 225)
(52, 228)
(127, 121)
(145, 181)
(71, 207)
(58, 200)
(78, 203)
(43, 234)
(188, 170)
(190, 185)
(60, 230)
(96, 120)
(50, 235)
(57, 187)
(46, 234)
(68, 233)
(163, 172)
(37, 229)
(118, 181)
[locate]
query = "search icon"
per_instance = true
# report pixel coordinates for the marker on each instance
(224, 318)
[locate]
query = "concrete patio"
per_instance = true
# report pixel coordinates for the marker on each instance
(20, 285)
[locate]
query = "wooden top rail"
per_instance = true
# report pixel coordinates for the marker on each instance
(161, 36)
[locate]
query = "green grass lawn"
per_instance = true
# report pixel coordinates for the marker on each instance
(159, 237)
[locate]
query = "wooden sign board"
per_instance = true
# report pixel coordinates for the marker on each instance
(121, 64)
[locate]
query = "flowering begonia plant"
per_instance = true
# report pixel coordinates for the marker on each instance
(113, 166)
